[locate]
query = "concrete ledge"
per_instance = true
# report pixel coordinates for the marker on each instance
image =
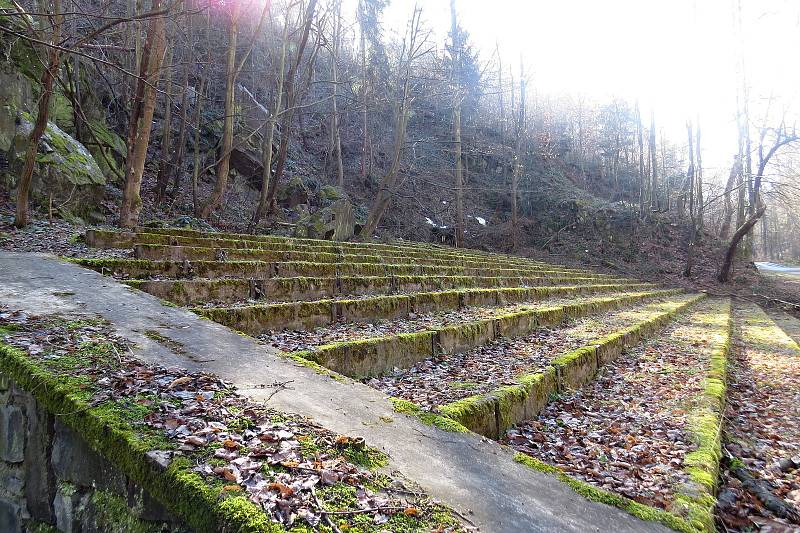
(373, 357)
(256, 319)
(377, 355)
(179, 237)
(571, 370)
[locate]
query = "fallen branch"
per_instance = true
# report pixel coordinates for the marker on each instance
(762, 490)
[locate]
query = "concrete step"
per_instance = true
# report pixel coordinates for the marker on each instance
(157, 252)
(115, 239)
(257, 319)
(363, 358)
(594, 344)
(476, 476)
(674, 380)
(144, 269)
(230, 291)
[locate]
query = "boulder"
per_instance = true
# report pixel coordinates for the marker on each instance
(294, 192)
(336, 222)
(65, 170)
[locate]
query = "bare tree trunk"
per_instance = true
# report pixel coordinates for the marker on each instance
(690, 178)
(642, 186)
(166, 131)
(690, 173)
(364, 93)
(699, 180)
(23, 216)
(387, 184)
(730, 254)
(727, 216)
(457, 97)
(290, 89)
(266, 147)
(197, 159)
(176, 168)
(653, 164)
(517, 171)
(224, 163)
(500, 94)
(337, 139)
(142, 119)
(232, 70)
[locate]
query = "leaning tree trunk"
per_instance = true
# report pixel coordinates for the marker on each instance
(730, 254)
(48, 76)
(142, 120)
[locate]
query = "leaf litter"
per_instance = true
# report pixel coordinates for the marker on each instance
(446, 378)
(626, 431)
(297, 471)
(762, 431)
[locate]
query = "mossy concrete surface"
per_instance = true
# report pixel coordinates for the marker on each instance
(373, 356)
(475, 476)
(492, 413)
(188, 237)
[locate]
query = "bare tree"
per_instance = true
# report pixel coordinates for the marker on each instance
(49, 73)
(269, 137)
(413, 49)
(232, 71)
(457, 100)
(141, 121)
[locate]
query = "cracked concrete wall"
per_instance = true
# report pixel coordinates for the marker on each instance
(49, 476)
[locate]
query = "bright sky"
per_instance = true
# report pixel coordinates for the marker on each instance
(676, 56)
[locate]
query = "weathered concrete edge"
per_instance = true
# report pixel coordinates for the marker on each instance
(705, 428)
(476, 476)
(376, 355)
(258, 318)
(513, 403)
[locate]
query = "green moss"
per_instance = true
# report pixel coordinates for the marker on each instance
(178, 488)
(595, 494)
(462, 385)
(35, 526)
(705, 428)
(431, 419)
(167, 342)
(367, 457)
(306, 358)
(113, 515)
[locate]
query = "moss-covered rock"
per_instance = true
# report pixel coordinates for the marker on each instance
(65, 170)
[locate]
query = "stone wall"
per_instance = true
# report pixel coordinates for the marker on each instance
(51, 480)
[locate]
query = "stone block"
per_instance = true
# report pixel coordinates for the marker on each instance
(40, 483)
(10, 514)
(12, 480)
(68, 506)
(76, 462)
(12, 434)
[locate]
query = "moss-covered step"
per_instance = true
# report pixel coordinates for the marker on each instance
(143, 269)
(228, 291)
(257, 319)
(397, 246)
(113, 239)
(159, 252)
(491, 413)
(372, 357)
(697, 346)
(122, 423)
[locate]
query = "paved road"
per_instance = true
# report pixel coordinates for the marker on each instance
(475, 475)
(777, 268)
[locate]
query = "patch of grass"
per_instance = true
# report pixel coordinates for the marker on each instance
(462, 385)
(641, 511)
(167, 342)
(431, 419)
